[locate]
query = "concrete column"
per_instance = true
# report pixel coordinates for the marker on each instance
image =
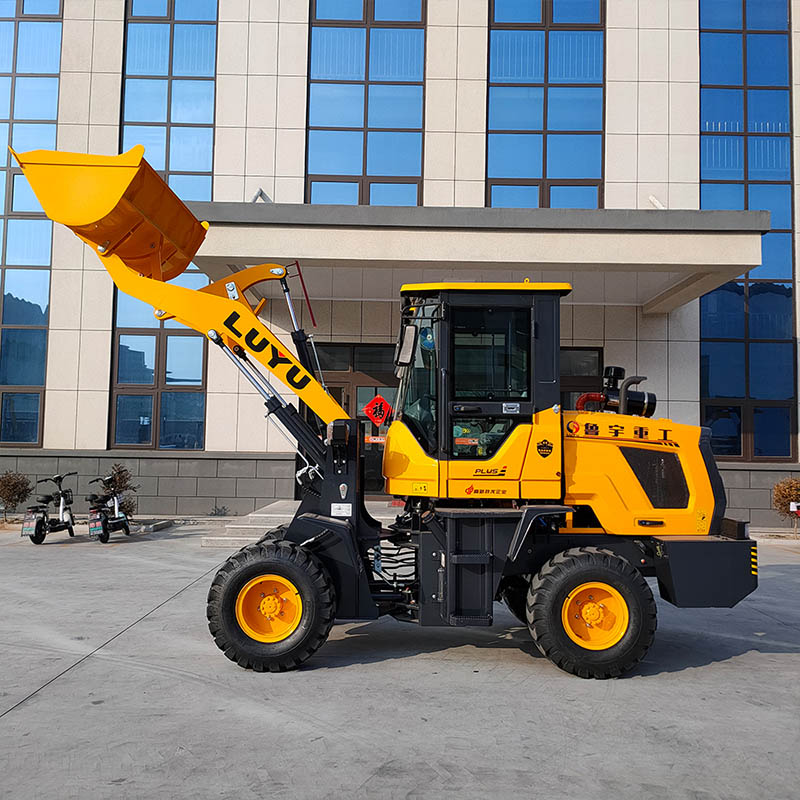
(652, 104)
(261, 100)
(455, 103)
(81, 292)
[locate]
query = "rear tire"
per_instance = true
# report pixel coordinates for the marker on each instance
(560, 610)
(40, 534)
(105, 535)
(316, 602)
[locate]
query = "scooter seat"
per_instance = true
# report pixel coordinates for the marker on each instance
(44, 498)
(92, 497)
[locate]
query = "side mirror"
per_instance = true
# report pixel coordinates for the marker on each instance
(404, 355)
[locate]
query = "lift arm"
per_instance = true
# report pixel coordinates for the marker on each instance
(144, 236)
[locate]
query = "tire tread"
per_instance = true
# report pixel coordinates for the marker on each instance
(272, 550)
(540, 613)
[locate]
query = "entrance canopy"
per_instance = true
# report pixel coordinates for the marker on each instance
(658, 260)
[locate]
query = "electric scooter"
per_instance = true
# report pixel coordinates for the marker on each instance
(104, 513)
(38, 522)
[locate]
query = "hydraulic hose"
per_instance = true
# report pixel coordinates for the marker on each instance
(589, 397)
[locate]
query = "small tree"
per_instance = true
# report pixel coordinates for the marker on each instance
(121, 482)
(784, 493)
(15, 488)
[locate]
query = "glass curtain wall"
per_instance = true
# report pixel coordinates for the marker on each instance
(747, 352)
(168, 91)
(546, 104)
(30, 60)
(159, 368)
(365, 102)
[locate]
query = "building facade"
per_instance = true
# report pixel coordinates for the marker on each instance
(379, 142)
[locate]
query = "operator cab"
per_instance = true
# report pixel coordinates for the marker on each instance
(476, 362)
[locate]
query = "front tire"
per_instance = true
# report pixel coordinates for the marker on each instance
(591, 613)
(271, 606)
(40, 533)
(274, 534)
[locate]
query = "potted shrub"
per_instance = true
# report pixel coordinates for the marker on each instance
(15, 488)
(785, 494)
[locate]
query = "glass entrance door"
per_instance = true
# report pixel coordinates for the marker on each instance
(356, 374)
(374, 435)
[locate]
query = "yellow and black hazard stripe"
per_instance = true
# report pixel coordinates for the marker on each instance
(754, 560)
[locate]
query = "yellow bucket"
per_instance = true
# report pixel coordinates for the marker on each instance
(116, 204)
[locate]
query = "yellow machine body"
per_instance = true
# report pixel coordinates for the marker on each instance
(593, 473)
(498, 479)
(597, 475)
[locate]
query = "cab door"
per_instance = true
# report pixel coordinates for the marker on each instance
(489, 407)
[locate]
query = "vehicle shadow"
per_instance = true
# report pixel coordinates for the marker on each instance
(687, 638)
(386, 639)
(762, 623)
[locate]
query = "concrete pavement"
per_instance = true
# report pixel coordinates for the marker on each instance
(110, 686)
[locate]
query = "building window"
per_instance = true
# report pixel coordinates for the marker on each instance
(581, 372)
(169, 90)
(354, 375)
(747, 350)
(546, 104)
(159, 378)
(365, 102)
(30, 59)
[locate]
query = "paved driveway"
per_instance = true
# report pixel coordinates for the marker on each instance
(110, 686)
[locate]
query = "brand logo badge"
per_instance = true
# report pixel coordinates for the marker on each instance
(573, 427)
(294, 375)
(544, 448)
(472, 490)
(494, 472)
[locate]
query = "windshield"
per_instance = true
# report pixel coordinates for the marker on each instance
(491, 353)
(416, 395)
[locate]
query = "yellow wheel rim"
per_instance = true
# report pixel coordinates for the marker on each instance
(595, 615)
(269, 608)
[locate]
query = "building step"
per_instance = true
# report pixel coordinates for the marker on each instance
(229, 543)
(246, 530)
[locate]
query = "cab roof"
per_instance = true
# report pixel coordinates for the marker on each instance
(417, 289)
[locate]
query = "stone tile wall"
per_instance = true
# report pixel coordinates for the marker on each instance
(749, 492)
(168, 484)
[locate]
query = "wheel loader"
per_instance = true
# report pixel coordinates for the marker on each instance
(562, 515)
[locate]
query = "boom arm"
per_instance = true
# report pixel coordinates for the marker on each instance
(144, 235)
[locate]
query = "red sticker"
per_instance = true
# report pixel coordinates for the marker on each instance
(378, 410)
